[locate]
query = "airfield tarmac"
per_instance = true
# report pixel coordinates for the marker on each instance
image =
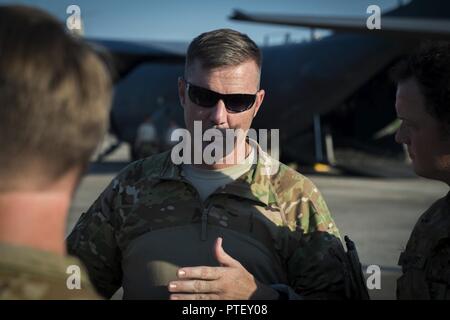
(377, 214)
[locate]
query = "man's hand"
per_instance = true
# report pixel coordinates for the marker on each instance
(230, 281)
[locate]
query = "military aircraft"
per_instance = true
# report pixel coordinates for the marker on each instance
(331, 98)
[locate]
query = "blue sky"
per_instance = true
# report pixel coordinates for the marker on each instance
(185, 19)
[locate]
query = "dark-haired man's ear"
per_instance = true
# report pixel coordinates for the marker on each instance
(182, 91)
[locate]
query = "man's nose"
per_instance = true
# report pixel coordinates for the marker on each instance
(219, 113)
(397, 136)
(400, 136)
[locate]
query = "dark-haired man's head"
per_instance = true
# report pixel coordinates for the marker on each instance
(423, 105)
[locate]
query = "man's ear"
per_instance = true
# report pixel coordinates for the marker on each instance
(259, 100)
(182, 91)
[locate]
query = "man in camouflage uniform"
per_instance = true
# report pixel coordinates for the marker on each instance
(249, 229)
(422, 104)
(54, 98)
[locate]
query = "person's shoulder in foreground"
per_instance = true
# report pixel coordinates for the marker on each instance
(32, 274)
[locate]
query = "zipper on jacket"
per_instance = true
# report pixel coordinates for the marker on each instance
(204, 234)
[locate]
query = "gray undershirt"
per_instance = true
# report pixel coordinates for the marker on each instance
(206, 181)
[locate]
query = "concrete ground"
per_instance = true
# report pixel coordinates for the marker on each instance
(377, 214)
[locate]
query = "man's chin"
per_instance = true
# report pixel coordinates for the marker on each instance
(427, 174)
(417, 169)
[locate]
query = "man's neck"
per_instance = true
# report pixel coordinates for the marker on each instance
(229, 161)
(34, 219)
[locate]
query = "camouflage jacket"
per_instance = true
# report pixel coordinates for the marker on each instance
(273, 212)
(426, 260)
(31, 274)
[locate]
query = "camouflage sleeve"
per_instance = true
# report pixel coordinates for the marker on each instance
(316, 265)
(318, 268)
(313, 213)
(93, 241)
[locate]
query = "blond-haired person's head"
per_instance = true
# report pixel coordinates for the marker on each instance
(54, 100)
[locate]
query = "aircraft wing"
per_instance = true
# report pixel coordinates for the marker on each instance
(122, 56)
(150, 49)
(390, 25)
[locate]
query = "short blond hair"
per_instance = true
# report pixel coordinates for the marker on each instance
(220, 48)
(55, 95)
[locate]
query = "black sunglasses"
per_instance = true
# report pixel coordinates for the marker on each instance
(235, 102)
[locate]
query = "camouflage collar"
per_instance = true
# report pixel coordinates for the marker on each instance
(255, 184)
